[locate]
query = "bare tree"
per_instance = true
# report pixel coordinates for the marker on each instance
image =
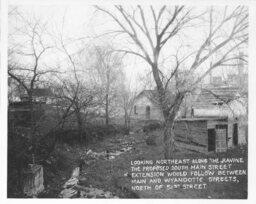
(106, 70)
(25, 63)
(127, 102)
(75, 92)
(28, 46)
(72, 99)
(27, 70)
(224, 37)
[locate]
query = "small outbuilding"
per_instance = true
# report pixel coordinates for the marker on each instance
(146, 107)
(208, 134)
(215, 118)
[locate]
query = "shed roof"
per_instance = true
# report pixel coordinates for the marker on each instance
(210, 97)
(203, 119)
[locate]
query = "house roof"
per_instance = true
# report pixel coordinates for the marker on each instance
(150, 94)
(210, 97)
(219, 118)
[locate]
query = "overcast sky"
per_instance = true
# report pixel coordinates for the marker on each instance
(82, 22)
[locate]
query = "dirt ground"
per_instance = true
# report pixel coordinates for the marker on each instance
(114, 174)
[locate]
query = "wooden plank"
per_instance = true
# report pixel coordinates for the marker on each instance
(191, 131)
(221, 138)
(191, 147)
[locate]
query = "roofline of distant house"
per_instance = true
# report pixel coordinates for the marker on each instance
(222, 118)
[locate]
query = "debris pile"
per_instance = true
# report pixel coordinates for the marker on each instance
(73, 189)
(75, 186)
(107, 154)
(69, 191)
(89, 192)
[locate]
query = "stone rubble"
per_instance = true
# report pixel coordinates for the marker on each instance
(68, 193)
(73, 187)
(107, 155)
(73, 190)
(70, 183)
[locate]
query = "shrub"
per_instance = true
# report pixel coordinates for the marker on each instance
(151, 140)
(91, 133)
(151, 126)
(99, 131)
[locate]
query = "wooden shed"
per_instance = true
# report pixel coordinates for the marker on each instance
(212, 134)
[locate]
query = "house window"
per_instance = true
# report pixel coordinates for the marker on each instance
(211, 140)
(235, 134)
(221, 138)
(192, 112)
(147, 112)
(218, 103)
(135, 110)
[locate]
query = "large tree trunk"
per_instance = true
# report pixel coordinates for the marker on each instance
(32, 121)
(106, 110)
(79, 125)
(126, 120)
(168, 139)
(169, 108)
(30, 102)
(169, 136)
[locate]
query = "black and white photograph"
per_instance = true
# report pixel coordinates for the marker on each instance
(114, 100)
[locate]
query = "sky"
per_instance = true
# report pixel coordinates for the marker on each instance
(83, 22)
(80, 23)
